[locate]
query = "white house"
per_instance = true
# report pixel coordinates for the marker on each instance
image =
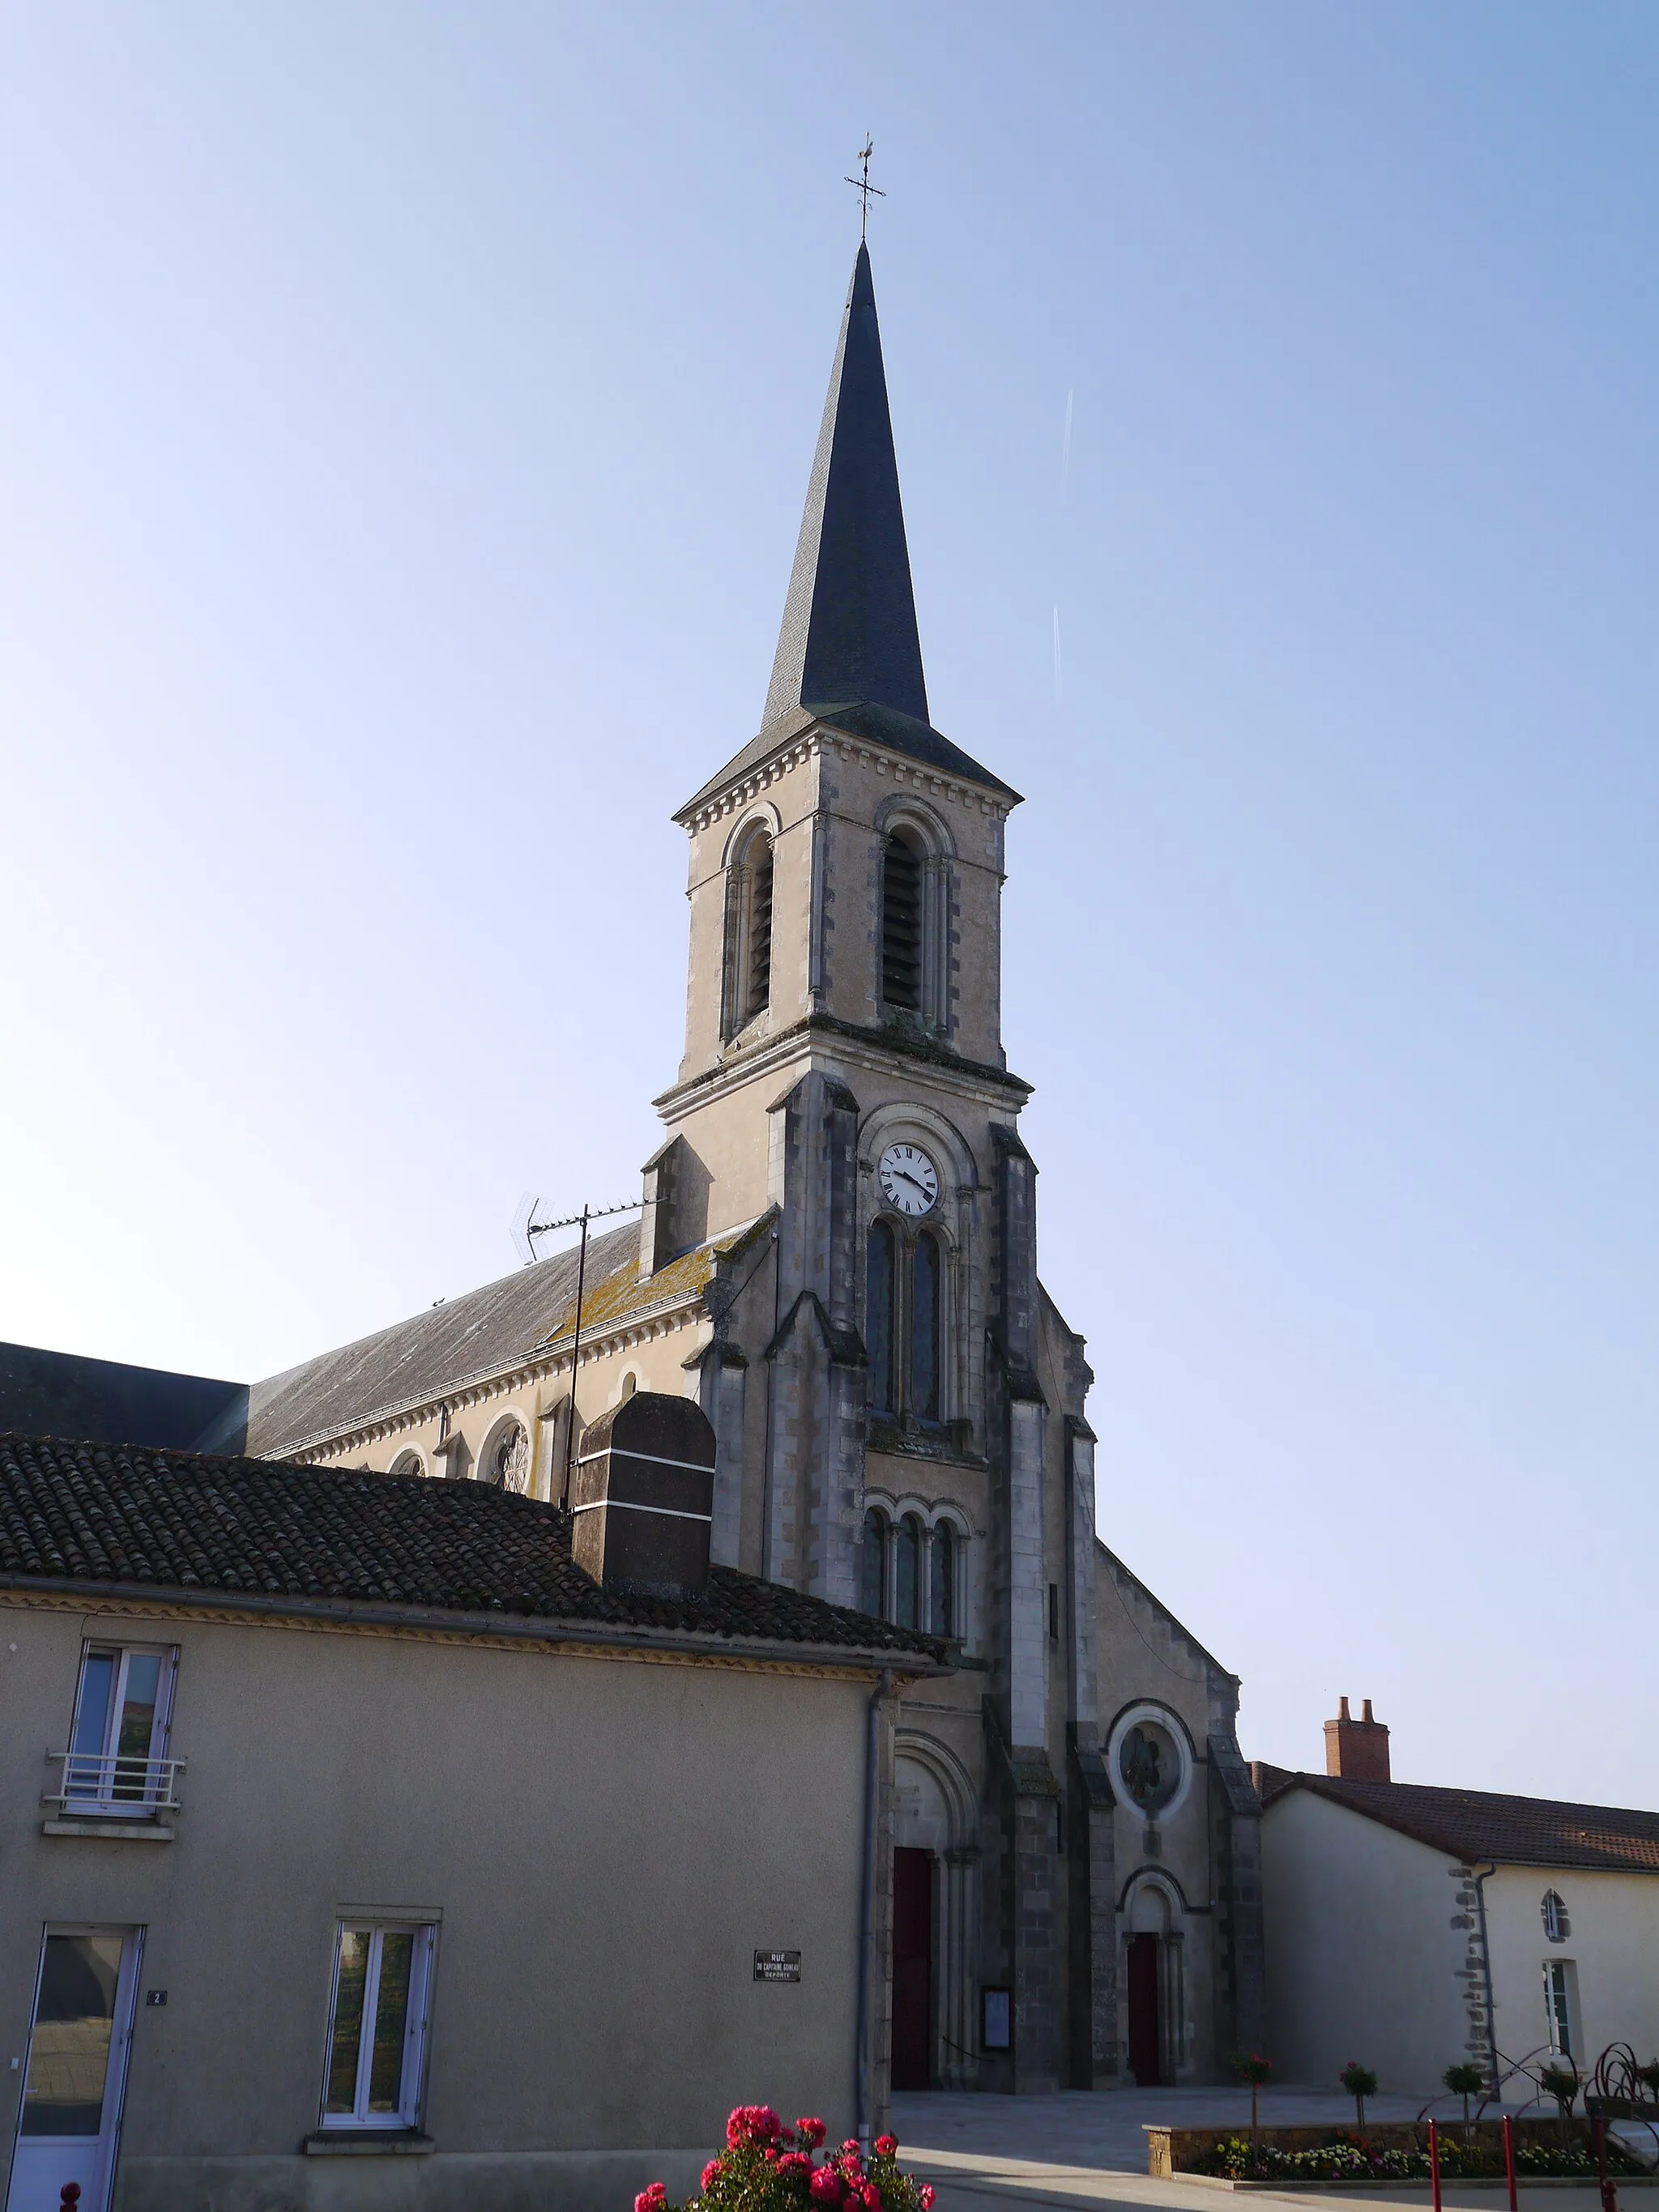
(1412, 1929)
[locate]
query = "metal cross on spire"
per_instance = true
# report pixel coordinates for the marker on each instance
(863, 186)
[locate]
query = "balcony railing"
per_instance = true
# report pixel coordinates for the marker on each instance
(116, 1785)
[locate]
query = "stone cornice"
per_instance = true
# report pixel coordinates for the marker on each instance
(793, 751)
(848, 1045)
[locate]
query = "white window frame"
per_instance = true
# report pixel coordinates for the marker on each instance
(1556, 1919)
(1561, 1997)
(157, 1781)
(412, 2080)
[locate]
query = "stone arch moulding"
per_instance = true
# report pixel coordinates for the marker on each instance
(408, 1462)
(904, 811)
(1162, 1716)
(500, 1431)
(1160, 1879)
(901, 1117)
(955, 1879)
(762, 815)
(955, 1786)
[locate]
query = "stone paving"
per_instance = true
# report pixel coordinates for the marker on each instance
(1079, 2151)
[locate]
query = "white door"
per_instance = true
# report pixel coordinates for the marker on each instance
(84, 1988)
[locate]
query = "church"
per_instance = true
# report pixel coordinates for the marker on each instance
(836, 1256)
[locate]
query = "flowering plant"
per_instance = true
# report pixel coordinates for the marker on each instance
(768, 2167)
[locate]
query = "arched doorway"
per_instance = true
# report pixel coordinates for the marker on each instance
(935, 1865)
(1154, 1982)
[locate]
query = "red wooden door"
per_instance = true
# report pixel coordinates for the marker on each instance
(1143, 2010)
(913, 1968)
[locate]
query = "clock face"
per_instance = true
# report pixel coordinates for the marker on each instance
(908, 1178)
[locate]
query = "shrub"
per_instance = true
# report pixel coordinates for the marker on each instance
(768, 2167)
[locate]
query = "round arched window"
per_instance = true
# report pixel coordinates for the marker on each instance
(1149, 1762)
(1553, 1913)
(508, 1462)
(906, 1572)
(872, 1566)
(408, 1462)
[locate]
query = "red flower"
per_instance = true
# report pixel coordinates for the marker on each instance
(752, 2123)
(926, 2195)
(871, 2197)
(886, 2146)
(710, 2170)
(653, 2199)
(795, 2161)
(825, 2186)
(810, 2133)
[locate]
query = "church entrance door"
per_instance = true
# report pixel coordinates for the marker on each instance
(1144, 2039)
(912, 1969)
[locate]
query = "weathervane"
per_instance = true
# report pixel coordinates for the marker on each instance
(863, 186)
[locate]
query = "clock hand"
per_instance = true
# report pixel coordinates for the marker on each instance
(916, 1180)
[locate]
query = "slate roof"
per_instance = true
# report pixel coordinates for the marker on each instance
(191, 1521)
(416, 1361)
(849, 651)
(849, 620)
(1471, 1825)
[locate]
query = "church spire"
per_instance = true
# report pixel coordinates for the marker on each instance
(849, 622)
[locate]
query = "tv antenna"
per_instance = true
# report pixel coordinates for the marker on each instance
(526, 1228)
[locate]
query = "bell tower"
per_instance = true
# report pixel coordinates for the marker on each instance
(847, 864)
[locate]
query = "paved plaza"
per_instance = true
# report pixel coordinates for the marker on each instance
(987, 2153)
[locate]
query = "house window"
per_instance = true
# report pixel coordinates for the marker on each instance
(408, 1462)
(879, 1318)
(901, 923)
(925, 1328)
(942, 1616)
(906, 1572)
(1561, 2003)
(114, 1763)
(1553, 1912)
(377, 2025)
(872, 1566)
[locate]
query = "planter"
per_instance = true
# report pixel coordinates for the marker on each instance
(1175, 2150)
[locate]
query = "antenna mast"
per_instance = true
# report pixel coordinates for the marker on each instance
(533, 1229)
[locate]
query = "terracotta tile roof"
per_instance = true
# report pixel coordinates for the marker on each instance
(1472, 1824)
(107, 1513)
(416, 1361)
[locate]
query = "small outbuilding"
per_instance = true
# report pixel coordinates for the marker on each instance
(1414, 1929)
(360, 1847)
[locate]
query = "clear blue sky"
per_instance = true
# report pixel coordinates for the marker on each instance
(404, 415)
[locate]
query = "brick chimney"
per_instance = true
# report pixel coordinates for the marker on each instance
(643, 1496)
(1357, 1750)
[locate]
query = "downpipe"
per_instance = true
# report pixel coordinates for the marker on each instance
(883, 1690)
(1486, 1961)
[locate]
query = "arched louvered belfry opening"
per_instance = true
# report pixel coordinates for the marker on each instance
(758, 992)
(902, 922)
(748, 986)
